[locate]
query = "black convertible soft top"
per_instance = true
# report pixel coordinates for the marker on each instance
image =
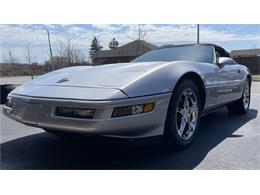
(217, 47)
(193, 44)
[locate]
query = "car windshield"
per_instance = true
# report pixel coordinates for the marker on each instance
(196, 53)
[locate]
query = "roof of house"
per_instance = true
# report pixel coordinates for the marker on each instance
(245, 52)
(135, 48)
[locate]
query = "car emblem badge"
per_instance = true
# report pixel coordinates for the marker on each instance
(63, 80)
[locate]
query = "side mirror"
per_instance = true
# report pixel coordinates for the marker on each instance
(225, 60)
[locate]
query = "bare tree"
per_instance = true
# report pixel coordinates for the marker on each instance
(11, 59)
(141, 33)
(28, 53)
(67, 51)
(10, 63)
(29, 57)
(77, 56)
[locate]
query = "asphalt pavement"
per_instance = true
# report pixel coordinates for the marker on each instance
(224, 141)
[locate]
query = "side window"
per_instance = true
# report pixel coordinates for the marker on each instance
(217, 54)
(221, 52)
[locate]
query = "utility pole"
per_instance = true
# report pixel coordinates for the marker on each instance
(52, 65)
(139, 39)
(198, 34)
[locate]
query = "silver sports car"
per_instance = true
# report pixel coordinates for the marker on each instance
(163, 92)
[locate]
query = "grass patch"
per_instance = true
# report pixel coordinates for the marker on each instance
(256, 77)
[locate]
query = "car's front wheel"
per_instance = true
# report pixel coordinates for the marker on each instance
(183, 115)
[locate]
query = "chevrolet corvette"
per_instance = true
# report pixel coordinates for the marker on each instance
(163, 92)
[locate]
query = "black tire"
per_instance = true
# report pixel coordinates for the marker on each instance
(171, 135)
(239, 107)
(5, 90)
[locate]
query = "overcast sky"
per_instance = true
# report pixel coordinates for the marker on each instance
(16, 37)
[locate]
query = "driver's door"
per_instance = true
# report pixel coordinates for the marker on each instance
(228, 79)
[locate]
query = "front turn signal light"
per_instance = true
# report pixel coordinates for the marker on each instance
(148, 107)
(133, 110)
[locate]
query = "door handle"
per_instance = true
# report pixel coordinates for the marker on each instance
(238, 70)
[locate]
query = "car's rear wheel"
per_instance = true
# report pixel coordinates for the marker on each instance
(241, 106)
(183, 115)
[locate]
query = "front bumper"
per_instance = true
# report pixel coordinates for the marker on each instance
(39, 112)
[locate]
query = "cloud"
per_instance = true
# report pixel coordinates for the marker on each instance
(17, 36)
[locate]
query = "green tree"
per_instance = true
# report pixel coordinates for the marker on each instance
(94, 48)
(113, 43)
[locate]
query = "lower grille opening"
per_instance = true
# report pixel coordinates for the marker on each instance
(75, 112)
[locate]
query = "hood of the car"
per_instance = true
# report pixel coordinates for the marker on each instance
(132, 79)
(103, 76)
